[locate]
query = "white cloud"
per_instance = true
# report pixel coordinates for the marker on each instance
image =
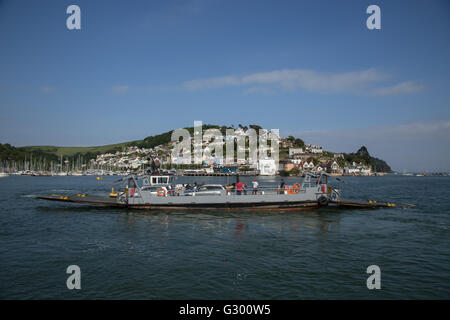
(263, 90)
(316, 81)
(211, 83)
(120, 89)
(47, 89)
(401, 88)
(356, 82)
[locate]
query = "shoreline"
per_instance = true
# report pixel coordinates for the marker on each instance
(103, 174)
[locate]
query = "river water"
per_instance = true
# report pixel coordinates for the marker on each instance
(317, 254)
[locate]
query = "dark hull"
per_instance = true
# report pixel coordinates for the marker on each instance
(112, 202)
(99, 201)
(292, 205)
(235, 206)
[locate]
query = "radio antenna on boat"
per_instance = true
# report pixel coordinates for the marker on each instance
(340, 180)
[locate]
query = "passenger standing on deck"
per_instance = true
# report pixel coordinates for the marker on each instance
(255, 186)
(282, 186)
(239, 188)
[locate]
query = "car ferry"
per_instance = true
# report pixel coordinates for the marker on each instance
(159, 192)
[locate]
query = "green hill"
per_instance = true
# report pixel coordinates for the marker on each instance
(74, 151)
(8, 152)
(55, 152)
(363, 156)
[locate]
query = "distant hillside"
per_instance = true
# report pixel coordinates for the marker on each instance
(164, 138)
(54, 153)
(92, 152)
(75, 151)
(363, 156)
(8, 153)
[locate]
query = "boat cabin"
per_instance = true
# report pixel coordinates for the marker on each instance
(156, 180)
(148, 181)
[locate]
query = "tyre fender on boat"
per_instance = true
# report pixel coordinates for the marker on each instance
(322, 201)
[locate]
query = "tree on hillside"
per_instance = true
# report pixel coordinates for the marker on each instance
(299, 143)
(363, 154)
(313, 160)
(360, 156)
(255, 127)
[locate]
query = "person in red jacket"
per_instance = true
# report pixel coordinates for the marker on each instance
(239, 188)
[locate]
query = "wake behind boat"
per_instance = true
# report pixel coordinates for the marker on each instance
(158, 192)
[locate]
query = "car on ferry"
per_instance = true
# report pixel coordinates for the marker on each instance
(207, 190)
(163, 190)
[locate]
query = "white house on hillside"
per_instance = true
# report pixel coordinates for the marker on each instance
(314, 149)
(308, 165)
(293, 151)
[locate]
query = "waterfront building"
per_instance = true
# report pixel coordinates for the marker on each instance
(335, 168)
(314, 149)
(267, 167)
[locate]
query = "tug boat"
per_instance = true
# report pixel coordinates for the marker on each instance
(159, 192)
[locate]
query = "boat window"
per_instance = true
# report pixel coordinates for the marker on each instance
(145, 182)
(163, 180)
(154, 180)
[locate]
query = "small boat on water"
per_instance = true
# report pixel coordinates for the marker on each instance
(3, 175)
(159, 192)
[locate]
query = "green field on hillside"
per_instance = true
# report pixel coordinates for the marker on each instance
(73, 151)
(55, 152)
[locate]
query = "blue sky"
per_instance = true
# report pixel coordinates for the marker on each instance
(309, 68)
